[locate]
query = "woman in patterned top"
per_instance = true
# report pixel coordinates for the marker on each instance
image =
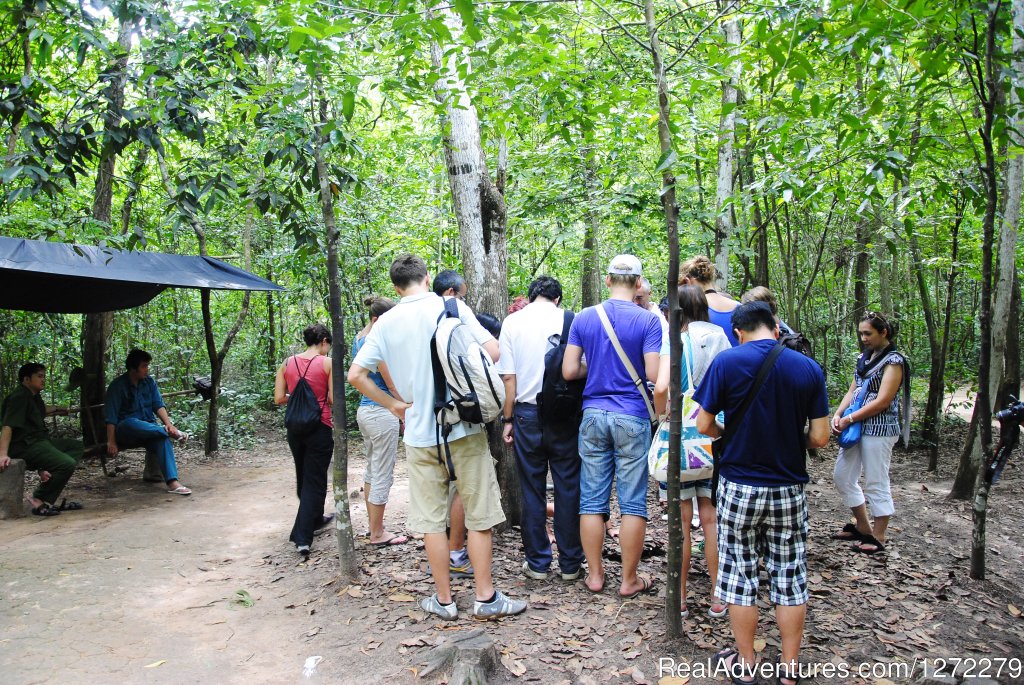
(881, 370)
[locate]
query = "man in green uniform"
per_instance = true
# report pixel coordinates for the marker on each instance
(24, 436)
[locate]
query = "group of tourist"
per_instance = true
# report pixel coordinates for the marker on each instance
(763, 402)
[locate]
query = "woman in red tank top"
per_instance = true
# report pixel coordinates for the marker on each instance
(311, 451)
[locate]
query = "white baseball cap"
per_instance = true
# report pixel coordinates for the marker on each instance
(625, 264)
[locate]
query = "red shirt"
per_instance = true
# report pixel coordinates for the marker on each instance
(295, 366)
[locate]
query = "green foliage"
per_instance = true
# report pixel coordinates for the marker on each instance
(856, 129)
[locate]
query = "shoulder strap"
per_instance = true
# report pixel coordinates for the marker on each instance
(295, 358)
(762, 375)
(688, 361)
(451, 308)
(567, 317)
(625, 360)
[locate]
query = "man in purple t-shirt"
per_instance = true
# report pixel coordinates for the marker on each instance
(616, 429)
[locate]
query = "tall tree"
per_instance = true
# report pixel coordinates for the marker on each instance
(724, 223)
(479, 207)
(97, 328)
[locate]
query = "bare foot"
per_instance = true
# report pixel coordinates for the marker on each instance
(643, 586)
(589, 579)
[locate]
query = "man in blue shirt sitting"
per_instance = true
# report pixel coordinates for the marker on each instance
(132, 407)
(762, 509)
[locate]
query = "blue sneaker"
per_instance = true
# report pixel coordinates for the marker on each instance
(498, 607)
(432, 605)
(460, 566)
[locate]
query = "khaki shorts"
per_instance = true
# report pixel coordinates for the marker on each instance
(477, 483)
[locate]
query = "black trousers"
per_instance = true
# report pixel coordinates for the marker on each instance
(312, 454)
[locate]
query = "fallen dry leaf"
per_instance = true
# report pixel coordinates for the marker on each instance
(884, 681)
(401, 597)
(638, 676)
(355, 592)
(155, 663)
(513, 666)
(673, 680)
(1014, 611)
(760, 644)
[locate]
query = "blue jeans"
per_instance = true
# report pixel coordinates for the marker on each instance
(138, 433)
(534, 455)
(613, 445)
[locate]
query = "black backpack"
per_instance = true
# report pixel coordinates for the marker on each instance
(302, 414)
(559, 402)
(797, 342)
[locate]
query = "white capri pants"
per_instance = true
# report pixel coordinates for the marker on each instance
(871, 457)
(379, 429)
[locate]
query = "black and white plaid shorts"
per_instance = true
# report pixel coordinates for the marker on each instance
(767, 523)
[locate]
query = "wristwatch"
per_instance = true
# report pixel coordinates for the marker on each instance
(507, 419)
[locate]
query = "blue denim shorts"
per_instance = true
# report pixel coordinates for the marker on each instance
(613, 445)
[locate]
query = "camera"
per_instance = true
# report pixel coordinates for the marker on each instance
(1013, 413)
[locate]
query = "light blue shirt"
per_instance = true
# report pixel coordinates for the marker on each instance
(128, 401)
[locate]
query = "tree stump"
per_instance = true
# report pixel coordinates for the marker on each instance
(152, 472)
(470, 657)
(12, 490)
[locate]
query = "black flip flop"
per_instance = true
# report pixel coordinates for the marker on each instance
(65, 505)
(45, 509)
(851, 534)
(868, 540)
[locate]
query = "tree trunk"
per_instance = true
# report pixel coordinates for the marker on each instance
(937, 378)
(479, 210)
(590, 260)
(979, 444)
(271, 325)
(97, 328)
(346, 540)
(1006, 260)
(724, 227)
(673, 600)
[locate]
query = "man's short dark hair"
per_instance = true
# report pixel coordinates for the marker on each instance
(136, 357)
(544, 286)
(448, 280)
(29, 370)
(316, 333)
(753, 315)
(408, 269)
(490, 323)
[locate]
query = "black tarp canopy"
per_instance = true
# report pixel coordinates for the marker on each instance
(41, 276)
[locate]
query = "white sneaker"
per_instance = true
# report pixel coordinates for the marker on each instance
(573, 576)
(432, 605)
(498, 607)
(530, 573)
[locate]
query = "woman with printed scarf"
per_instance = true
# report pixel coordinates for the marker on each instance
(881, 371)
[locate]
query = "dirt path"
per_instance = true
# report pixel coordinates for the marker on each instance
(141, 578)
(141, 588)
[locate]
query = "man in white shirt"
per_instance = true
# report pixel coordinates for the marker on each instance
(526, 336)
(401, 339)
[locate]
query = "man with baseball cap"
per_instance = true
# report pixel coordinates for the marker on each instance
(616, 428)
